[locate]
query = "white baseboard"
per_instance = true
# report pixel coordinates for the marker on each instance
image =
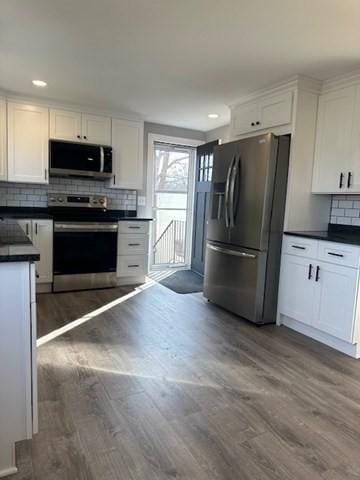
(7, 460)
(353, 350)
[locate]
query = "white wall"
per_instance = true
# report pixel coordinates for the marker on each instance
(221, 133)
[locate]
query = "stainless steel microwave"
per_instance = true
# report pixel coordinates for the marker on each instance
(80, 160)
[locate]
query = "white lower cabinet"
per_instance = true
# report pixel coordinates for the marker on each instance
(133, 246)
(297, 292)
(18, 394)
(40, 232)
(335, 300)
(320, 298)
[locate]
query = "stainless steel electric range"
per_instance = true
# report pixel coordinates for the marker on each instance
(85, 242)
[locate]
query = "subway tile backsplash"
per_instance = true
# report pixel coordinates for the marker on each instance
(32, 195)
(345, 210)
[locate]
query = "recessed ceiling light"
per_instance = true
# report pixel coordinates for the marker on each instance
(39, 83)
(213, 115)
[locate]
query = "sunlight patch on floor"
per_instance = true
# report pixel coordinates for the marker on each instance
(89, 316)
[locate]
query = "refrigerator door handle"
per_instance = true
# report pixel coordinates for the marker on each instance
(227, 186)
(235, 170)
(226, 251)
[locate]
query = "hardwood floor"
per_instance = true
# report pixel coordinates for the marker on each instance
(163, 386)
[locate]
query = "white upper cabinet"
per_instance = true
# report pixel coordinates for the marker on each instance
(65, 125)
(80, 127)
(337, 129)
(96, 129)
(3, 141)
(28, 139)
(263, 113)
(127, 142)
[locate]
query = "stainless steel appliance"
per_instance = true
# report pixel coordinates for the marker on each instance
(245, 226)
(80, 160)
(85, 243)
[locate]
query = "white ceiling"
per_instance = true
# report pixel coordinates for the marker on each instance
(172, 61)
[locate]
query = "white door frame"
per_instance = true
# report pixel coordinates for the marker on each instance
(184, 142)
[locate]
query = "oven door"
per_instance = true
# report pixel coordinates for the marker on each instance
(85, 255)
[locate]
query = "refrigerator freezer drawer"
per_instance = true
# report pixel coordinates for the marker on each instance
(235, 280)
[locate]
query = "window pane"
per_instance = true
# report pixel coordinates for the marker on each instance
(171, 170)
(171, 200)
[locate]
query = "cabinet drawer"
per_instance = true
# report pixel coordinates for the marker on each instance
(133, 227)
(339, 253)
(131, 265)
(302, 247)
(132, 244)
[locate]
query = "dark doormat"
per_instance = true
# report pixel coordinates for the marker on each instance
(184, 281)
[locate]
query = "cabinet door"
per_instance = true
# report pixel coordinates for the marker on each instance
(26, 226)
(96, 129)
(28, 139)
(127, 142)
(244, 118)
(275, 110)
(43, 240)
(65, 125)
(3, 142)
(335, 300)
(296, 294)
(334, 137)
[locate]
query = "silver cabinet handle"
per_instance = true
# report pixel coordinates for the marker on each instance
(101, 159)
(235, 253)
(133, 244)
(133, 227)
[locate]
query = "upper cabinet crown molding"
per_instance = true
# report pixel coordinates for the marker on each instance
(80, 127)
(28, 143)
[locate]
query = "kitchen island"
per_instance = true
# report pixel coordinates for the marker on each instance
(18, 378)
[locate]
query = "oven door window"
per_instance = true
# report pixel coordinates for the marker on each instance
(84, 252)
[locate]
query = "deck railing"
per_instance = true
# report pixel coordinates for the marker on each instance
(169, 248)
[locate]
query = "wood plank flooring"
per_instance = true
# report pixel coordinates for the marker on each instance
(166, 386)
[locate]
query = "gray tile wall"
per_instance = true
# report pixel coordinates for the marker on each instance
(345, 210)
(32, 195)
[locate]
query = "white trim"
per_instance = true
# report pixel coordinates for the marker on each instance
(51, 103)
(7, 460)
(353, 350)
(296, 82)
(185, 142)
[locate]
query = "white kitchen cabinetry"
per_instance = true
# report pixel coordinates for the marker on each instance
(3, 141)
(127, 142)
(40, 232)
(18, 395)
(318, 293)
(337, 143)
(133, 246)
(80, 127)
(28, 135)
(65, 125)
(269, 111)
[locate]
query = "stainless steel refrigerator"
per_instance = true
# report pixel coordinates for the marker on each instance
(245, 226)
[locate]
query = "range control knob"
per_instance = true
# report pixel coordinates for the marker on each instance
(60, 199)
(102, 200)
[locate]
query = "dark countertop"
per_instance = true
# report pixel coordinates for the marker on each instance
(47, 213)
(335, 233)
(15, 246)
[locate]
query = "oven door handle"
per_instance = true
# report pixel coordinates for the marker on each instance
(85, 227)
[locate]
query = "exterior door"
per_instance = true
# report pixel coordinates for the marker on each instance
(203, 177)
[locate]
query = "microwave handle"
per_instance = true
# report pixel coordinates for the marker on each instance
(101, 159)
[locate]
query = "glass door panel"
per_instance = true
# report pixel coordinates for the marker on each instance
(172, 176)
